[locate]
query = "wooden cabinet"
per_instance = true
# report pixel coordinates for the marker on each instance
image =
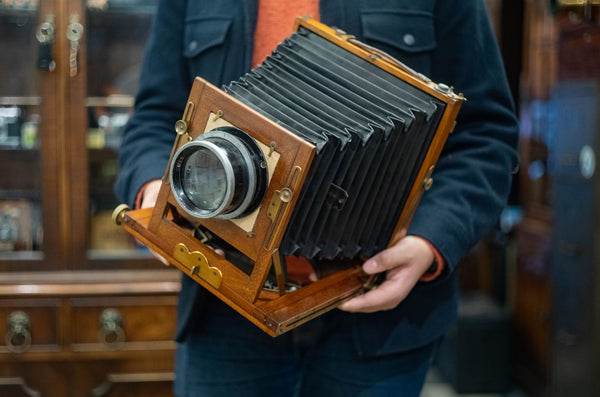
(92, 333)
(557, 316)
(84, 310)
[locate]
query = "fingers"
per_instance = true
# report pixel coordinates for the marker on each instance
(150, 194)
(404, 263)
(159, 257)
(409, 250)
(388, 258)
(385, 297)
(218, 251)
(385, 260)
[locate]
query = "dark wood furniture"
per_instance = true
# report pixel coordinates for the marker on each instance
(556, 311)
(84, 310)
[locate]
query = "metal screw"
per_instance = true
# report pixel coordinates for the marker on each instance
(442, 88)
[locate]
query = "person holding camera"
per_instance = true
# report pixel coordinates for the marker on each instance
(380, 343)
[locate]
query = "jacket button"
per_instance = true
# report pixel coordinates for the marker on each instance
(193, 45)
(408, 39)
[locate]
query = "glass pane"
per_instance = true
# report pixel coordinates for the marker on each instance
(116, 34)
(20, 179)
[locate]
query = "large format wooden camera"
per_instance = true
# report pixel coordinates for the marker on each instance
(322, 152)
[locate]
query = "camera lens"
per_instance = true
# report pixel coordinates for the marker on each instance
(204, 179)
(221, 174)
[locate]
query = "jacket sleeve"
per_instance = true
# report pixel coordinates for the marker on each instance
(472, 179)
(164, 87)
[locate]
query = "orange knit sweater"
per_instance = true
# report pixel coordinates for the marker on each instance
(275, 23)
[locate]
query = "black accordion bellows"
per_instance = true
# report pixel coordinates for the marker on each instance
(371, 129)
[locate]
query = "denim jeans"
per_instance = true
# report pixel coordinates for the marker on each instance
(228, 356)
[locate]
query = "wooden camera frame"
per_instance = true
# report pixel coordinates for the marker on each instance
(259, 235)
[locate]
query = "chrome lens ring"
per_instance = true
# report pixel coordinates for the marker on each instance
(177, 178)
(255, 164)
(250, 182)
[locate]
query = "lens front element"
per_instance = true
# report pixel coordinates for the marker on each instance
(222, 174)
(204, 179)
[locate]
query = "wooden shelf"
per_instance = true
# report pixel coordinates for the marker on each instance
(116, 101)
(89, 283)
(20, 101)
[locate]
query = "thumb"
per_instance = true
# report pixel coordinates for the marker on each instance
(383, 261)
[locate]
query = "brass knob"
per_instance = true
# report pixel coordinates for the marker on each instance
(181, 127)
(285, 194)
(427, 183)
(119, 213)
(111, 332)
(18, 335)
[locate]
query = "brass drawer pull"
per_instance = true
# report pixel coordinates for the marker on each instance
(111, 332)
(18, 335)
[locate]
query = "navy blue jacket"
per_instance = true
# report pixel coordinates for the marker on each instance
(448, 40)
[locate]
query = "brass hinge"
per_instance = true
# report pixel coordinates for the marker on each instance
(198, 265)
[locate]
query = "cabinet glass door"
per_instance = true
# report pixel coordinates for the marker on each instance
(116, 34)
(21, 225)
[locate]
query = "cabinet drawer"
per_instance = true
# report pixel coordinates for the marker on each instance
(115, 323)
(29, 325)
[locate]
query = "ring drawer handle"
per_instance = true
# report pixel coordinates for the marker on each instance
(111, 332)
(18, 332)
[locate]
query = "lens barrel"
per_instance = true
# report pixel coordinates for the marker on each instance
(221, 174)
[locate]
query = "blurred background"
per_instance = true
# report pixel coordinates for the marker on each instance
(85, 311)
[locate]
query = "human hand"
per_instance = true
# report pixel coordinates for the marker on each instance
(150, 193)
(404, 262)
